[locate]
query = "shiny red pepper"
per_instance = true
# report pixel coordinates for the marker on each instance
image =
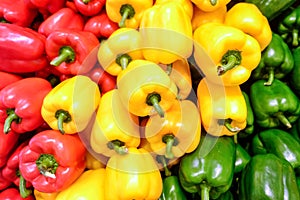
(21, 102)
(44, 6)
(13, 194)
(8, 78)
(89, 7)
(4, 183)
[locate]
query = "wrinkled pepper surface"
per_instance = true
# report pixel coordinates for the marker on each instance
(210, 5)
(89, 7)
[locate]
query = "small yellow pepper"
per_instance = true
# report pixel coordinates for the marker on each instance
(88, 186)
(127, 13)
(248, 18)
(44, 196)
(234, 53)
(134, 175)
(119, 49)
(114, 129)
(186, 4)
(210, 5)
(66, 107)
(223, 110)
(93, 162)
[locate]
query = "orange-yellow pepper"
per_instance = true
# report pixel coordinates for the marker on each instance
(234, 53)
(93, 162)
(223, 110)
(248, 18)
(186, 4)
(210, 5)
(44, 195)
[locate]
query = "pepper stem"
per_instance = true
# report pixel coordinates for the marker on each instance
(163, 160)
(270, 77)
(62, 117)
(170, 141)
(230, 59)
(227, 124)
(11, 116)
(283, 119)
(2, 20)
(47, 165)
(153, 99)
(66, 54)
(24, 192)
(213, 2)
(295, 37)
(204, 192)
(127, 12)
(123, 60)
(86, 1)
(169, 69)
(118, 146)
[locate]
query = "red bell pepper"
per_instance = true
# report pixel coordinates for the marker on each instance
(13, 194)
(67, 50)
(17, 12)
(52, 161)
(65, 18)
(89, 7)
(21, 102)
(44, 6)
(4, 183)
(101, 25)
(22, 49)
(8, 78)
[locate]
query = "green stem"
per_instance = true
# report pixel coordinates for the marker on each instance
(62, 117)
(66, 54)
(153, 99)
(24, 192)
(204, 192)
(235, 139)
(11, 116)
(86, 1)
(163, 160)
(213, 2)
(230, 59)
(270, 78)
(123, 60)
(283, 119)
(169, 69)
(118, 146)
(227, 124)
(170, 141)
(295, 37)
(47, 165)
(127, 12)
(2, 20)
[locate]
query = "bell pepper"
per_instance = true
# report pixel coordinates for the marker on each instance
(115, 129)
(4, 183)
(166, 30)
(89, 7)
(210, 5)
(293, 77)
(13, 194)
(20, 105)
(202, 177)
(275, 105)
(127, 13)
(137, 174)
(186, 4)
(242, 157)
(67, 110)
(93, 162)
(8, 78)
(52, 161)
(22, 49)
(177, 133)
(116, 52)
(67, 49)
(44, 195)
(288, 27)
(65, 18)
(172, 189)
(234, 53)
(248, 18)
(46, 6)
(146, 95)
(100, 25)
(223, 110)
(268, 177)
(88, 186)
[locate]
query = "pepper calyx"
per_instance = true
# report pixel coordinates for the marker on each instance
(47, 165)
(118, 146)
(66, 54)
(127, 12)
(11, 117)
(170, 141)
(227, 124)
(123, 60)
(230, 59)
(153, 99)
(62, 116)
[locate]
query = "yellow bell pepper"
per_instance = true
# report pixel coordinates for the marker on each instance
(177, 133)
(166, 30)
(248, 18)
(66, 107)
(88, 186)
(114, 129)
(119, 49)
(92, 162)
(146, 89)
(44, 195)
(132, 176)
(234, 53)
(186, 4)
(127, 13)
(210, 5)
(223, 110)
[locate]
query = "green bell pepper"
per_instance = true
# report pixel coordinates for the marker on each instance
(242, 157)
(295, 130)
(276, 61)
(294, 76)
(278, 142)
(209, 170)
(275, 105)
(268, 177)
(226, 196)
(172, 189)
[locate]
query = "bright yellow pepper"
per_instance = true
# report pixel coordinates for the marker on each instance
(127, 13)
(210, 5)
(119, 49)
(114, 129)
(167, 33)
(92, 162)
(132, 176)
(234, 53)
(88, 186)
(177, 133)
(186, 4)
(146, 89)
(44, 196)
(248, 18)
(66, 107)
(223, 110)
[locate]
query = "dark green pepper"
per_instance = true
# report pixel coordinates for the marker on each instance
(172, 189)
(268, 177)
(226, 196)
(276, 61)
(274, 105)
(295, 130)
(241, 159)
(209, 170)
(294, 76)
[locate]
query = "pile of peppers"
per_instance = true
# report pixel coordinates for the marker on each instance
(152, 99)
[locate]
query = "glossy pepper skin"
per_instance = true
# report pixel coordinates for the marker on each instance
(202, 178)
(4, 183)
(8, 78)
(89, 7)
(293, 77)
(242, 157)
(67, 49)
(13, 194)
(52, 161)
(67, 110)
(275, 105)
(172, 189)
(276, 61)
(22, 49)
(186, 4)
(234, 53)
(44, 195)
(46, 6)
(20, 105)
(210, 5)
(223, 110)
(278, 183)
